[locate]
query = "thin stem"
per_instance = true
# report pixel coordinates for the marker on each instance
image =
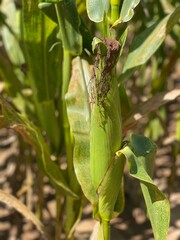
(66, 72)
(104, 231)
(65, 83)
(115, 10)
(106, 30)
(66, 126)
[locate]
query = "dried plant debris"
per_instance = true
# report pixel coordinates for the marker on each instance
(105, 60)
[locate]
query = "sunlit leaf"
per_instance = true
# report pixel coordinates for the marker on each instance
(127, 11)
(77, 100)
(140, 154)
(96, 9)
(145, 44)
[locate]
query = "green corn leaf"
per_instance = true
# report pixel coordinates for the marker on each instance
(105, 134)
(69, 23)
(48, 8)
(12, 83)
(96, 9)
(145, 44)
(10, 33)
(110, 190)
(77, 101)
(12, 62)
(39, 36)
(140, 154)
(122, 40)
(95, 42)
(12, 59)
(86, 35)
(73, 215)
(49, 121)
(127, 11)
(50, 11)
(32, 135)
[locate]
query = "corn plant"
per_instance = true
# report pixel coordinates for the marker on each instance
(67, 80)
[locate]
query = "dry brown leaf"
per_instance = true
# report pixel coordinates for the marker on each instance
(11, 201)
(94, 235)
(146, 107)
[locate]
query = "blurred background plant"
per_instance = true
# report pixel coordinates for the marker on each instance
(38, 41)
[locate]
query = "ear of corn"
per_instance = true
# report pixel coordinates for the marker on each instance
(97, 133)
(105, 132)
(105, 135)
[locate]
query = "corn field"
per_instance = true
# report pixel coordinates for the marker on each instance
(89, 96)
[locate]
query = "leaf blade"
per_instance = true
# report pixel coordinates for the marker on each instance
(140, 155)
(127, 11)
(77, 101)
(69, 23)
(146, 43)
(96, 9)
(12, 201)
